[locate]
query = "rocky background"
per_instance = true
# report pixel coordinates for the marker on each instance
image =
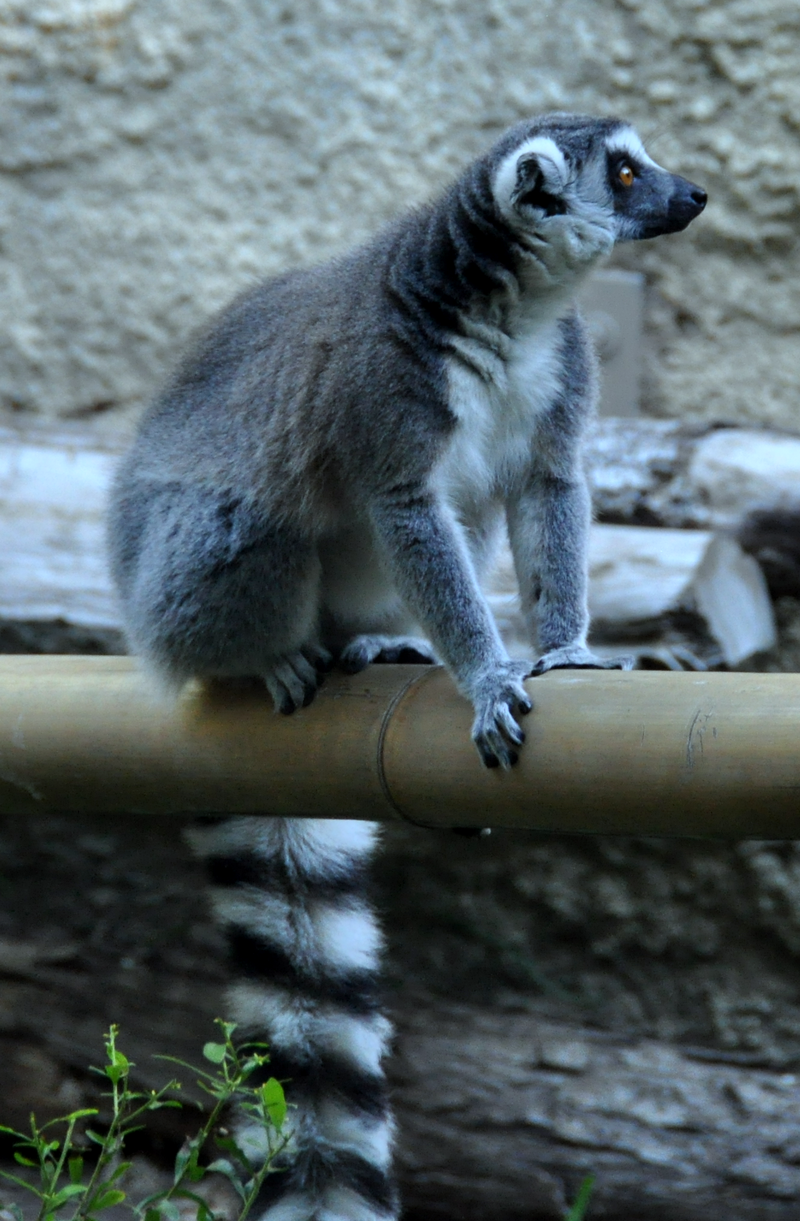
(629, 1008)
(156, 155)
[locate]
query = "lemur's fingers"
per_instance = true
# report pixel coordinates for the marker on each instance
(495, 732)
(522, 702)
(358, 653)
(292, 682)
(363, 650)
(509, 726)
(618, 663)
(578, 657)
(494, 750)
(412, 650)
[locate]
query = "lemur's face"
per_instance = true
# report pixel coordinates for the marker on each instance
(648, 200)
(594, 170)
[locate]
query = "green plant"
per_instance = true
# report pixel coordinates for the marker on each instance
(66, 1180)
(578, 1210)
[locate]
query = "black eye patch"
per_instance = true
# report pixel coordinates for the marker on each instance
(618, 162)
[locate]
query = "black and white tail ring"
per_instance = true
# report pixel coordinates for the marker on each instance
(305, 946)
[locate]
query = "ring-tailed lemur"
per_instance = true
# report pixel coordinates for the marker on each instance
(323, 478)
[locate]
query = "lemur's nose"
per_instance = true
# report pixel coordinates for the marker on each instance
(699, 197)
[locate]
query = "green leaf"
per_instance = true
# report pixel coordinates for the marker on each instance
(202, 1207)
(152, 1214)
(71, 1118)
(215, 1052)
(106, 1198)
(227, 1028)
(224, 1167)
(274, 1100)
(66, 1193)
(229, 1145)
(148, 1201)
(24, 1161)
(169, 1210)
(12, 1178)
(578, 1210)
(182, 1159)
(120, 1170)
(75, 1165)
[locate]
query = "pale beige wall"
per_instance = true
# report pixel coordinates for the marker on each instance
(155, 155)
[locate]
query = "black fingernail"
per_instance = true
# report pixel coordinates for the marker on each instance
(491, 761)
(513, 758)
(287, 706)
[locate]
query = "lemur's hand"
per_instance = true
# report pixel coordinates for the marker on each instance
(499, 695)
(577, 657)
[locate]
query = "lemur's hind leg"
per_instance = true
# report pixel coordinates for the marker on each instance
(216, 590)
(363, 650)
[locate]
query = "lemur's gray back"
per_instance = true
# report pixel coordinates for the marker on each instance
(283, 386)
(321, 482)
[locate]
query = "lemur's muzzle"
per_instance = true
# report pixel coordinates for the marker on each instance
(669, 206)
(686, 202)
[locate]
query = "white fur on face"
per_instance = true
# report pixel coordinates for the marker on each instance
(551, 161)
(626, 140)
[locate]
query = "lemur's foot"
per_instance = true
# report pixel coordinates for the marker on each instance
(363, 650)
(495, 731)
(293, 680)
(577, 657)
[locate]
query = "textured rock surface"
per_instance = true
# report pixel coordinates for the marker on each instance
(157, 155)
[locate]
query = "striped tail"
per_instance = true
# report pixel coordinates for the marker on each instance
(306, 946)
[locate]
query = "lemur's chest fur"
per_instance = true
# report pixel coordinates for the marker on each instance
(497, 397)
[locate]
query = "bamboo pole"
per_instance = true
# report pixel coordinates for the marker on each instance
(648, 753)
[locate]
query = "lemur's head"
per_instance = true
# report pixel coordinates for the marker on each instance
(576, 165)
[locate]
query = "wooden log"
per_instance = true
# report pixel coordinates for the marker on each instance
(640, 576)
(607, 751)
(54, 480)
(53, 488)
(503, 1115)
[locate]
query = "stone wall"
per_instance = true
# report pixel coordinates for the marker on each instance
(156, 155)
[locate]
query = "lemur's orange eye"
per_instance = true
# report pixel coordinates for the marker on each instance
(626, 175)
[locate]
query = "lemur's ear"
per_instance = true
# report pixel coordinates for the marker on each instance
(539, 183)
(533, 176)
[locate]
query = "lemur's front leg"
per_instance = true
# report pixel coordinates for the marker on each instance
(548, 525)
(426, 550)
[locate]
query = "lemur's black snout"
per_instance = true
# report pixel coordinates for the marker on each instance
(670, 204)
(685, 203)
